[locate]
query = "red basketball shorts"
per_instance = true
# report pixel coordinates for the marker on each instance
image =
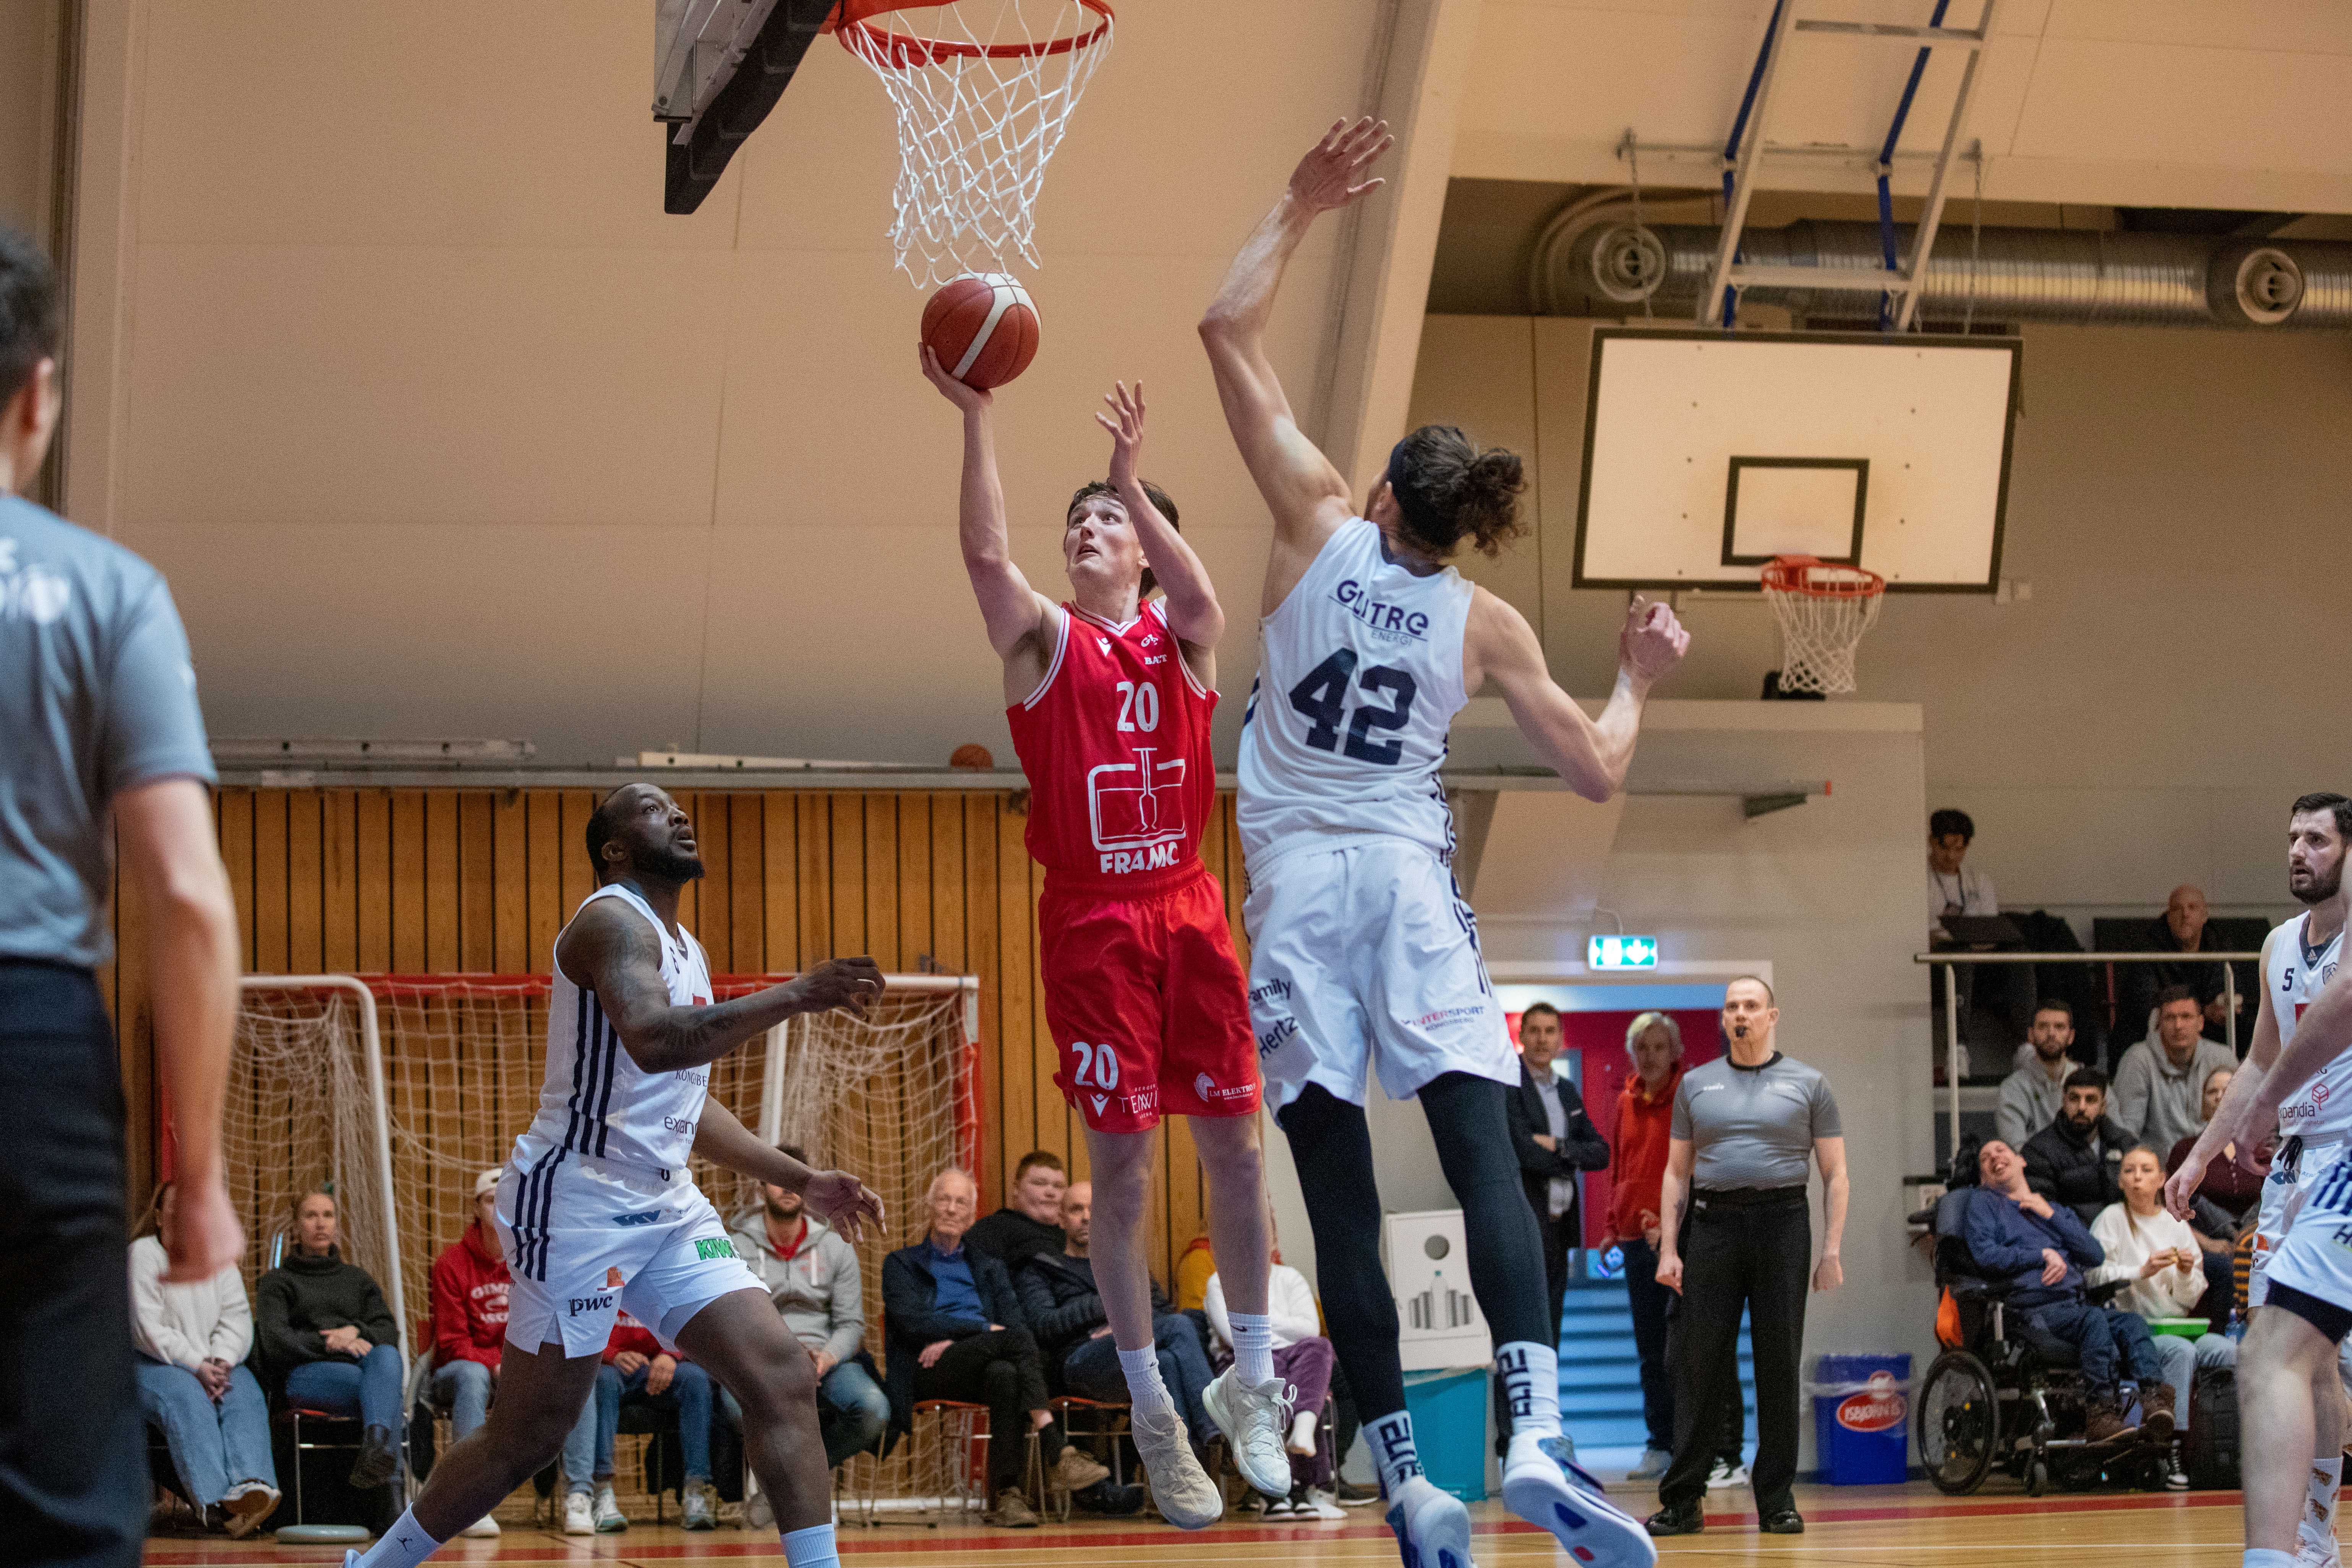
(1147, 1005)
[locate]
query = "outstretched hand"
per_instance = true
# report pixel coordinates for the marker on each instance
(848, 984)
(970, 399)
(1125, 423)
(1325, 178)
(843, 1202)
(1653, 640)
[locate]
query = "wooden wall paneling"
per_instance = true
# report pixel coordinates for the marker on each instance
(848, 815)
(305, 883)
(271, 954)
(543, 879)
(511, 884)
(375, 885)
(235, 808)
(478, 903)
(712, 903)
(746, 879)
(982, 957)
(815, 868)
(339, 882)
(881, 882)
(425, 881)
(780, 827)
(914, 881)
(579, 875)
(1015, 932)
(946, 944)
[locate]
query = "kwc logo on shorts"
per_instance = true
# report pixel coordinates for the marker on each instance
(1881, 1407)
(709, 1246)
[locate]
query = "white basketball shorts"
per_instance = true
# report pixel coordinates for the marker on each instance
(584, 1238)
(2285, 1192)
(2315, 1255)
(1364, 949)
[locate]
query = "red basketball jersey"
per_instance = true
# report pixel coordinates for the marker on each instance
(1116, 745)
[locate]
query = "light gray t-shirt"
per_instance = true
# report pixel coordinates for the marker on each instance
(97, 695)
(1753, 1127)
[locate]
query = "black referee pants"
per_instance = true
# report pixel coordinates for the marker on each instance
(73, 1466)
(1751, 1250)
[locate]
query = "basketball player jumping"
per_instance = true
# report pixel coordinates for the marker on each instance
(1370, 643)
(2296, 1079)
(1109, 698)
(596, 1212)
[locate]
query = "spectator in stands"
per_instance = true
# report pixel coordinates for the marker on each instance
(2225, 1200)
(1994, 1002)
(2078, 1159)
(328, 1341)
(2040, 1250)
(1553, 1140)
(2031, 1094)
(640, 1372)
(812, 1276)
(2160, 1083)
(469, 1323)
(1954, 888)
(2162, 1269)
(956, 1330)
(1193, 1266)
(193, 1383)
(1031, 1220)
(1303, 1358)
(2181, 928)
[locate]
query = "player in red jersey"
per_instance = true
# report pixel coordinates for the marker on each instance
(1110, 698)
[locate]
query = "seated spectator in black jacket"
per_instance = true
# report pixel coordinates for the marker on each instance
(1553, 1140)
(328, 1341)
(955, 1330)
(1031, 1220)
(1065, 1313)
(2078, 1159)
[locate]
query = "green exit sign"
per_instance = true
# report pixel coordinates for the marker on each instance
(1621, 951)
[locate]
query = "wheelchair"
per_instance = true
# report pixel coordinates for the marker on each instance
(2000, 1395)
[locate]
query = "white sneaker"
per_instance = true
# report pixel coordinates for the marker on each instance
(1595, 1532)
(579, 1518)
(1317, 1505)
(483, 1529)
(1726, 1476)
(2317, 1551)
(610, 1520)
(1254, 1421)
(701, 1507)
(1279, 1508)
(1433, 1528)
(1181, 1488)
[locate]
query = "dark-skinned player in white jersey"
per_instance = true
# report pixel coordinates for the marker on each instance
(596, 1212)
(1144, 994)
(1361, 941)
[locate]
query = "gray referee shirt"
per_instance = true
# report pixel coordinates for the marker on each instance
(1753, 1127)
(97, 696)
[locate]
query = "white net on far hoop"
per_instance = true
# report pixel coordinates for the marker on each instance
(982, 89)
(1823, 610)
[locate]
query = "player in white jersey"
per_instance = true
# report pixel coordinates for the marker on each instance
(1362, 943)
(2297, 1081)
(596, 1212)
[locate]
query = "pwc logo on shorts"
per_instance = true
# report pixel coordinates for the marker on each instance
(1382, 620)
(1881, 1407)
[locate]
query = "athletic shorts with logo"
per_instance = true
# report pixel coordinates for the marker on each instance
(1367, 939)
(584, 1238)
(2295, 1171)
(1144, 1000)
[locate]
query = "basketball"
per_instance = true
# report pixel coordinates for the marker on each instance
(982, 327)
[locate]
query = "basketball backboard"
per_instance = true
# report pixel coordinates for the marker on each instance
(720, 65)
(1708, 453)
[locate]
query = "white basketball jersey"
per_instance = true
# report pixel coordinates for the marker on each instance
(1360, 677)
(598, 1102)
(2321, 1110)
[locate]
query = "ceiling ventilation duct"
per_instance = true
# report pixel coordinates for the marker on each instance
(2088, 278)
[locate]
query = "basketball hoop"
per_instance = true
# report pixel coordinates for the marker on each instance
(983, 96)
(1824, 608)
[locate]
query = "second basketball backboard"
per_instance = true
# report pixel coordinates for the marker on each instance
(1706, 453)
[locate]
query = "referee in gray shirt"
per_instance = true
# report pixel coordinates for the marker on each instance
(1736, 1232)
(102, 748)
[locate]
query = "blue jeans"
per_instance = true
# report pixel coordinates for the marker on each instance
(851, 1411)
(2183, 1357)
(579, 1468)
(465, 1387)
(213, 1446)
(688, 1398)
(2108, 1342)
(368, 1390)
(1092, 1371)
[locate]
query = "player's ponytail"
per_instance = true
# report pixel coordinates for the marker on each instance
(1447, 489)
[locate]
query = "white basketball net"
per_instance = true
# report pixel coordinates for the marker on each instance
(976, 127)
(1823, 611)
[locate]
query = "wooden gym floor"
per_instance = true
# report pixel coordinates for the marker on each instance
(1852, 1527)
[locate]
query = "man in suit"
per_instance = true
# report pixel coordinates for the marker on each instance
(1553, 1140)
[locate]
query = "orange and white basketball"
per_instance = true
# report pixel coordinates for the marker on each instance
(983, 326)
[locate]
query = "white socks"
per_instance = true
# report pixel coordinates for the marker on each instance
(1394, 1452)
(1145, 1390)
(404, 1545)
(2319, 1519)
(810, 1548)
(1532, 1380)
(1252, 1347)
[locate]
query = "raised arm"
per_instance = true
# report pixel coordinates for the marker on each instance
(1590, 754)
(1022, 623)
(614, 952)
(835, 1197)
(1194, 613)
(1307, 496)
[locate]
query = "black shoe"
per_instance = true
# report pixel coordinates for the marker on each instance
(1677, 1519)
(1352, 1495)
(1111, 1502)
(1782, 1521)
(379, 1456)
